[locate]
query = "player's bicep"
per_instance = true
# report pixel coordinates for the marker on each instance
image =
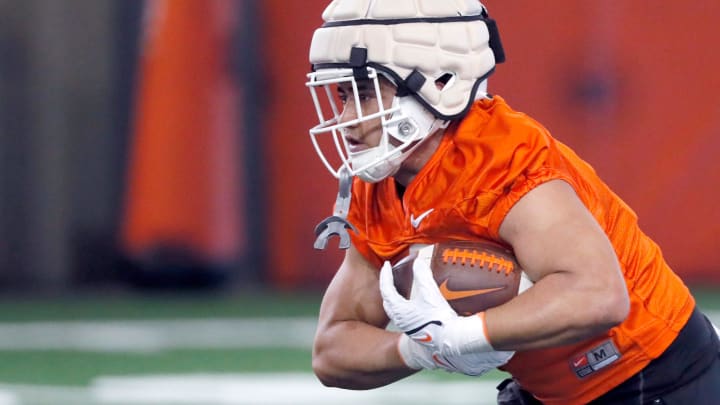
(552, 231)
(353, 293)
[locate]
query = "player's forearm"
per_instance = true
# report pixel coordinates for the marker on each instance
(555, 312)
(355, 355)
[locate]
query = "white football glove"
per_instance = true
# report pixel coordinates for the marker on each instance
(419, 356)
(428, 319)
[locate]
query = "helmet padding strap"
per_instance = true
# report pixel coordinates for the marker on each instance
(494, 40)
(358, 61)
(411, 85)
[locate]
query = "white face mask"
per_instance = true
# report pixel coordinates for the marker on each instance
(404, 125)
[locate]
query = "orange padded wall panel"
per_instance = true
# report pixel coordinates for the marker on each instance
(184, 183)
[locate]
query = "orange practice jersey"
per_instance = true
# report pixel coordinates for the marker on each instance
(483, 166)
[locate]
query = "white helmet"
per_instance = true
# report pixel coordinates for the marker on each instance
(416, 44)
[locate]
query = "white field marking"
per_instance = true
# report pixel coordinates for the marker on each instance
(249, 389)
(8, 398)
(26, 394)
(282, 389)
(156, 335)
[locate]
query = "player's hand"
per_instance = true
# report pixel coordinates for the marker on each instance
(415, 355)
(428, 319)
(474, 364)
(418, 356)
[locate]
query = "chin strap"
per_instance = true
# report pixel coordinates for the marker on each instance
(337, 224)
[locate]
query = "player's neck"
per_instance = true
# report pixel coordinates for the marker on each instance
(417, 160)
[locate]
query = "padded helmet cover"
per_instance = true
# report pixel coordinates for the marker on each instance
(414, 43)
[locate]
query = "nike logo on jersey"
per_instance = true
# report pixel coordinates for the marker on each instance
(458, 294)
(579, 362)
(415, 222)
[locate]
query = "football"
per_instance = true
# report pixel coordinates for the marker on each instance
(472, 275)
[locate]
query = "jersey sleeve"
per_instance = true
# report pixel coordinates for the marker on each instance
(535, 158)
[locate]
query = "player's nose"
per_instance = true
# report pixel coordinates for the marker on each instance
(349, 114)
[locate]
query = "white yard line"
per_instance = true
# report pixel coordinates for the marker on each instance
(249, 389)
(8, 398)
(156, 335)
(20, 394)
(281, 389)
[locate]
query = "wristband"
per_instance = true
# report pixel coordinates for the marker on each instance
(471, 334)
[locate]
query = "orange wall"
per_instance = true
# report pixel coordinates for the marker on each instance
(652, 129)
(656, 137)
(184, 177)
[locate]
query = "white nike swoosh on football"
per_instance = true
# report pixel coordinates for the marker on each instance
(415, 222)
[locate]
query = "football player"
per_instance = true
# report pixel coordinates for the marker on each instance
(424, 154)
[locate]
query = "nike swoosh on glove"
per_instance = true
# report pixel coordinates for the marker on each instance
(428, 319)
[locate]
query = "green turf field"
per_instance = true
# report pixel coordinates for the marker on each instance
(100, 350)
